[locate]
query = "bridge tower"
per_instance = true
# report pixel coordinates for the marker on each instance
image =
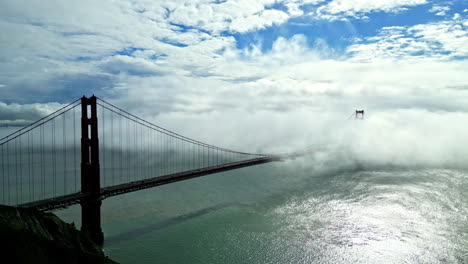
(90, 178)
(359, 114)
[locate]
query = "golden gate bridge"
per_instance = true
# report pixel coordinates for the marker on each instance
(90, 150)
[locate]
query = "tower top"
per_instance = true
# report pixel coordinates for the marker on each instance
(359, 114)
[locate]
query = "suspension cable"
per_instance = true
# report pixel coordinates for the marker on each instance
(16, 134)
(170, 133)
(45, 117)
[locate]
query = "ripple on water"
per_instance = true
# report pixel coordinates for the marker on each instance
(392, 216)
(414, 218)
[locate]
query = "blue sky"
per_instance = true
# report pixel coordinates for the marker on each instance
(341, 33)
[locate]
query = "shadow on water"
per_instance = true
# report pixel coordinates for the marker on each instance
(133, 234)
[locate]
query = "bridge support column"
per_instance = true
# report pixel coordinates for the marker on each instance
(90, 178)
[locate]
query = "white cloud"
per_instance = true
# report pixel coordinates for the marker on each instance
(439, 10)
(294, 9)
(234, 16)
(258, 21)
(442, 40)
(192, 76)
(337, 9)
(307, 100)
(25, 112)
(130, 65)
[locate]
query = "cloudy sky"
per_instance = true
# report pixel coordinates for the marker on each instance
(275, 70)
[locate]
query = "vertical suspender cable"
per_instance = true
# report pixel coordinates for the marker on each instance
(52, 148)
(151, 153)
(176, 153)
(64, 154)
(29, 166)
(182, 156)
(146, 152)
(44, 168)
(3, 176)
(166, 155)
(141, 153)
(16, 170)
(148, 147)
(120, 149)
(169, 153)
(74, 147)
(32, 166)
(163, 153)
(160, 153)
(128, 156)
(145, 146)
(155, 154)
(148, 162)
(135, 152)
(104, 175)
(41, 137)
(21, 194)
(112, 169)
(138, 149)
(54, 157)
(173, 155)
(8, 172)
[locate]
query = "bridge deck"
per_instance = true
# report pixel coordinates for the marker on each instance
(71, 199)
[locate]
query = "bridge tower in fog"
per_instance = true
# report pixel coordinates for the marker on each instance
(359, 114)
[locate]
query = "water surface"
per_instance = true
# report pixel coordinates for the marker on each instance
(291, 213)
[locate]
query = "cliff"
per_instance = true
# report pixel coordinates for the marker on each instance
(29, 236)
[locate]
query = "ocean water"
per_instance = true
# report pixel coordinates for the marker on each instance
(290, 212)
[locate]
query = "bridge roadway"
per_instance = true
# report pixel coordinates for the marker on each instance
(75, 198)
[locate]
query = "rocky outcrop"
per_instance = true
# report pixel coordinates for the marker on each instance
(29, 236)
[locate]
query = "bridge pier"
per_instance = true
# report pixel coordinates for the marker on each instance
(90, 171)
